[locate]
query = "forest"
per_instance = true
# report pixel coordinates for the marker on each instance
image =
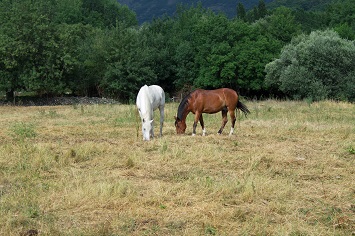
(97, 48)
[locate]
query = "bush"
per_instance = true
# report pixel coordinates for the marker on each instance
(316, 66)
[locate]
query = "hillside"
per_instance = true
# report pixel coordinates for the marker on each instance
(148, 9)
(300, 4)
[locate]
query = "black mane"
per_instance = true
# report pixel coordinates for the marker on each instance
(182, 106)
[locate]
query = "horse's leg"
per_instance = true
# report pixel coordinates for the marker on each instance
(233, 119)
(197, 118)
(224, 120)
(203, 126)
(152, 129)
(161, 109)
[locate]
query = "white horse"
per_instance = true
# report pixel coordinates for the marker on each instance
(150, 98)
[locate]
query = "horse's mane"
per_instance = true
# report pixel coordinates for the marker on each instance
(184, 102)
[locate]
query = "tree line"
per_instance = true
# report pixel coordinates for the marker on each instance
(97, 48)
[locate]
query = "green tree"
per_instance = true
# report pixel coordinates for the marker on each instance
(281, 25)
(185, 43)
(341, 11)
(341, 16)
(29, 52)
(345, 30)
(106, 13)
(129, 64)
(310, 20)
(160, 37)
(84, 52)
(214, 58)
(316, 66)
(262, 11)
(67, 11)
(241, 13)
(51, 47)
(253, 50)
(257, 12)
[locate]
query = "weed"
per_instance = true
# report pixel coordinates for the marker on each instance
(210, 230)
(129, 163)
(309, 101)
(22, 130)
(50, 114)
(351, 150)
(298, 233)
(33, 212)
(208, 181)
(164, 147)
(53, 114)
(82, 109)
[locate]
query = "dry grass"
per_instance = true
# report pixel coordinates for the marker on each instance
(81, 170)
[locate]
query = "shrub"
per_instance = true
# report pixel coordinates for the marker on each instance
(316, 66)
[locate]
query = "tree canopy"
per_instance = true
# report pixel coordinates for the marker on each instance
(97, 48)
(316, 66)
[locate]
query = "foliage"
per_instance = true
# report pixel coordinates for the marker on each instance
(282, 25)
(241, 13)
(315, 66)
(51, 48)
(341, 16)
(128, 64)
(96, 48)
(214, 56)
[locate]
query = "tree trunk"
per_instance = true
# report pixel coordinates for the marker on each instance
(10, 95)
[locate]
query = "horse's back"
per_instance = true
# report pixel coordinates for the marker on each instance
(157, 95)
(221, 93)
(230, 93)
(212, 101)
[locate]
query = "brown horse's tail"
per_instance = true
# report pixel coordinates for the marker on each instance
(243, 108)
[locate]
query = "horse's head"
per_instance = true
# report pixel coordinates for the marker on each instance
(146, 129)
(180, 126)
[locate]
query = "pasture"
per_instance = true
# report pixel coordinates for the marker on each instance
(289, 169)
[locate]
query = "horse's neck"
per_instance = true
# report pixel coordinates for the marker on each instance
(146, 105)
(184, 113)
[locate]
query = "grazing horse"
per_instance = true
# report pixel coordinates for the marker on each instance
(150, 98)
(208, 101)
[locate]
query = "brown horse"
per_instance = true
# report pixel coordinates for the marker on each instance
(208, 101)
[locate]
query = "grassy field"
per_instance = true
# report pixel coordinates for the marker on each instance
(289, 169)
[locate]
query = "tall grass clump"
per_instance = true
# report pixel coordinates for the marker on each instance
(23, 130)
